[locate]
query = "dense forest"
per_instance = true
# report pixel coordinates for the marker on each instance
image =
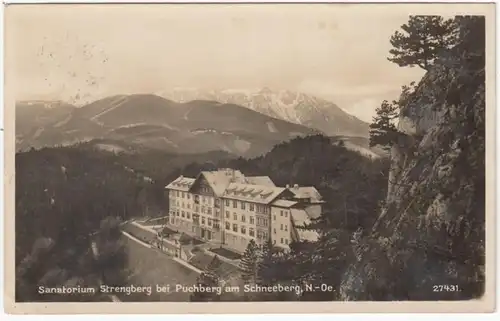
(81, 188)
(64, 196)
(70, 197)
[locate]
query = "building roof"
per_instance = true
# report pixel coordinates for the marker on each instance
(284, 203)
(219, 180)
(233, 184)
(253, 193)
(300, 218)
(260, 180)
(202, 260)
(181, 183)
(311, 212)
(307, 192)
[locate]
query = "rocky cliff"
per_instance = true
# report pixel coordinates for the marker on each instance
(428, 242)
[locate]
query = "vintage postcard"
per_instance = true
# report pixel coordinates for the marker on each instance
(249, 158)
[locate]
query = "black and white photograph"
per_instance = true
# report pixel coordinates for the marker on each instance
(231, 153)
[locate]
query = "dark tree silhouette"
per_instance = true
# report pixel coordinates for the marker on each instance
(266, 269)
(249, 263)
(383, 130)
(422, 41)
(206, 282)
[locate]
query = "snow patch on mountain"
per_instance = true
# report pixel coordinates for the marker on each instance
(271, 127)
(120, 100)
(294, 107)
(49, 104)
(210, 131)
(242, 145)
(38, 132)
(360, 149)
(64, 121)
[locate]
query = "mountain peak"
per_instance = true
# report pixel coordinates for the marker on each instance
(266, 91)
(295, 107)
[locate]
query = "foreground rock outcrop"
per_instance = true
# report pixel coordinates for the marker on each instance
(430, 231)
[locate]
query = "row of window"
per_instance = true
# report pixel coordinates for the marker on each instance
(282, 213)
(286, 241)
(186, 195)
(186, 214)
(204, 210)
(262, 209)
(281, 228)
(261, 221)
(261, 235)
(243, 230)
(196, 208)
(251, 206)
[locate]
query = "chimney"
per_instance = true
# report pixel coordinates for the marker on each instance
(296, 186)
(287, 185)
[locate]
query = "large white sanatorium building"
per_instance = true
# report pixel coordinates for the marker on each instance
(229, 208)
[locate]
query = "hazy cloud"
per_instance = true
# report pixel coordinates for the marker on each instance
(334, 51)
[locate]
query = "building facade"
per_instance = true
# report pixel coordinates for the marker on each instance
(228, 208)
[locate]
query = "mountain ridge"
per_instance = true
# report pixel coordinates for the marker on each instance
(294, 107)
(153, 121)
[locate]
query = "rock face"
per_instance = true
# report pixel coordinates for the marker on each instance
(428, 242)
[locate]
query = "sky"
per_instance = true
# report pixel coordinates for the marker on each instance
(80, 53)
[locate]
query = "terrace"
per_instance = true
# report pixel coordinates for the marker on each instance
(225, 253)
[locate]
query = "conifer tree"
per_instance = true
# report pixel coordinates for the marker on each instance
(205, 281)
(383, 131)
(266, 268)
(249, 263)
(212, 269)
(423, 39)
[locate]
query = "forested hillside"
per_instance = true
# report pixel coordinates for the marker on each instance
(63, 196)
(59, 207)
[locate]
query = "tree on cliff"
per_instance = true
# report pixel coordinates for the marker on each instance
(423, 39)
(383, 132)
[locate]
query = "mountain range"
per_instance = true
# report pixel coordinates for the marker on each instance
(155, 122)
(294, 107)
(186, 123)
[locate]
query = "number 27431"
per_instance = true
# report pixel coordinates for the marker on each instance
(445, 288)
